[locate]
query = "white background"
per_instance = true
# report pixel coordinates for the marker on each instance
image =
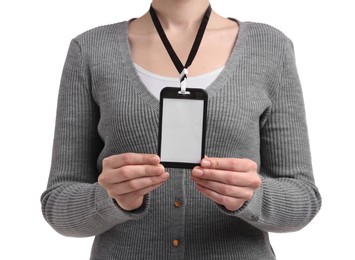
(34, 39)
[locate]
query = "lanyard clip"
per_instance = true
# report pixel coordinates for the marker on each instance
(183, 82)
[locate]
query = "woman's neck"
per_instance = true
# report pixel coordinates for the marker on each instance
(180, 15)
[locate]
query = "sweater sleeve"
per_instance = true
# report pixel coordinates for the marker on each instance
(288, 198)
(74, 204)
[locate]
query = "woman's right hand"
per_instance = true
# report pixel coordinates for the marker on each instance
(128, 177)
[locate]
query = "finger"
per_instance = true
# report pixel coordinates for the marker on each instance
(139, 184)
(230, 203)
(120, 160)
(245, 193)
(134, 199)
(231, 164)
(242, 179)
(114, 176)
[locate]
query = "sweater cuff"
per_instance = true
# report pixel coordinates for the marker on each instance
(251, 210)
(111, 212)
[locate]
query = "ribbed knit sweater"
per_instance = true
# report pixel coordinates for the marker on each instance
(255, 111)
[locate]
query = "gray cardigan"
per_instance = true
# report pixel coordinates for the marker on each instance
(255, 111)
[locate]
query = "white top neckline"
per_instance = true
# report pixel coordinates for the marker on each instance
(155, 82)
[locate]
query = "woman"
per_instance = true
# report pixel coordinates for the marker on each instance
(106, 179)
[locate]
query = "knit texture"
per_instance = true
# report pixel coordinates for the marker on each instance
(255, 111)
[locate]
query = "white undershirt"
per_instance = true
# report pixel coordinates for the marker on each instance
(155, 83)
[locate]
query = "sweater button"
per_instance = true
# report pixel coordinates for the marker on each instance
(177, 204)
(176, 242)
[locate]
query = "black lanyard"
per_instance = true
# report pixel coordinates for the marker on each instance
(179, 66)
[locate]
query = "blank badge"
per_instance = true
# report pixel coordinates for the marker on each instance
(182, 127)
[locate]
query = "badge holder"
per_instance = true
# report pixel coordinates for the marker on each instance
(182, 126)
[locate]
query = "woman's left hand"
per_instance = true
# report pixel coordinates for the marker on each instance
(227, 181)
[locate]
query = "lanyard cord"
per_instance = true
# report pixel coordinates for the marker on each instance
(179, 66)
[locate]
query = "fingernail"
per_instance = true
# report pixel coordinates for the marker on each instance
(205, 163)
(197, 173)
(154, 159)
(165, 176)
